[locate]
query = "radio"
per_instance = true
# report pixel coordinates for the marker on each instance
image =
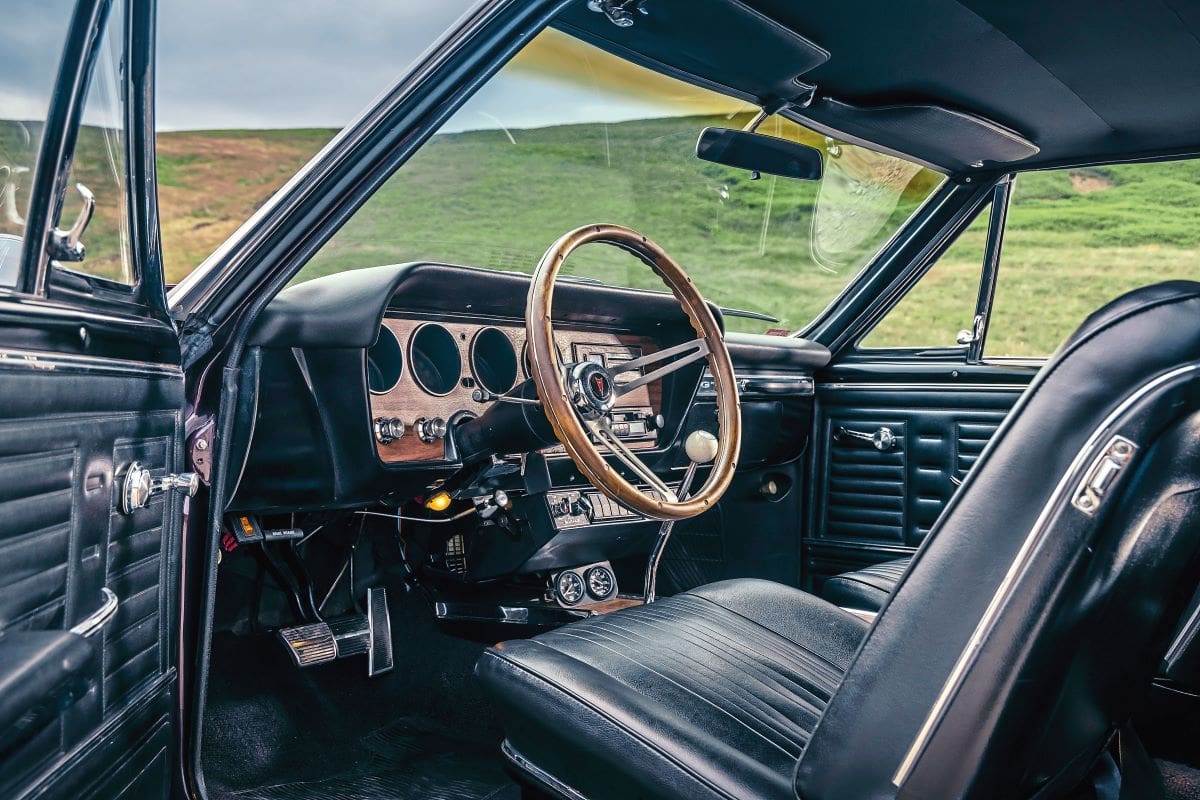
(575, 509)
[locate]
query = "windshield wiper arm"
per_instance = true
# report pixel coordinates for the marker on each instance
(737, 312)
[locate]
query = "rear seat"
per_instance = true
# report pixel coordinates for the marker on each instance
(865, 589)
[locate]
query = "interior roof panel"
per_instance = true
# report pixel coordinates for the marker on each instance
(1082, 79)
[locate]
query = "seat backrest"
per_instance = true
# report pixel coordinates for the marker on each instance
(1044, 599)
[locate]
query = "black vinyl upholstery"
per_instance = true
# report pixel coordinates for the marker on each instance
(711, 693)
(1023, 635)
(865, 589)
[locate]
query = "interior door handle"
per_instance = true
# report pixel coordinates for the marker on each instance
(882, 439)
(139, 486)
(91, 625)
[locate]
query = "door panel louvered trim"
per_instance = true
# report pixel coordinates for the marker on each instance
(133, 641)
(892, 499)
(36, 503)
(865, 487)
(969, 440)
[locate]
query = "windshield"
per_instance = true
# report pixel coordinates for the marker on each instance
(567, 134)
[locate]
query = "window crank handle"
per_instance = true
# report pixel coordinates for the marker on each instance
(882, 439)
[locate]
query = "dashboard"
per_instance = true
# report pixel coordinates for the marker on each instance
(424, 376)
(353, 385)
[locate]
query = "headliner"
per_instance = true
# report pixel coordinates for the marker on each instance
(1082, 79)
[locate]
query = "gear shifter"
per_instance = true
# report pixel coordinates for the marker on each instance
(701, 448)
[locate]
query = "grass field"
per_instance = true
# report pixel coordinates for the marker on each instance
(1076, 238)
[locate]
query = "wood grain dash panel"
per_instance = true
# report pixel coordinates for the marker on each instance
(408, 401)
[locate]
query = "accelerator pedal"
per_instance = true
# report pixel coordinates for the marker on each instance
(379, 623)
(351, 635)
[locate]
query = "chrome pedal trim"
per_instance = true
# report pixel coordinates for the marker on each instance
(379, 625)
(309, 645)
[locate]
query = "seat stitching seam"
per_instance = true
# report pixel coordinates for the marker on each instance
(686, 689)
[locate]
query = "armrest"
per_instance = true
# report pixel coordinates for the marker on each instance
(41, 672)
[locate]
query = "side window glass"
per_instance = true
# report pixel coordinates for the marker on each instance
(99, 163)
(28, 65)
(1077, 238)
(943, 301)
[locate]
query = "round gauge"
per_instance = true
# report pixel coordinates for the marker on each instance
(385, 362)
(601, 583)
(529, 364)
(434, 359)
(569, 588)
(493, 360)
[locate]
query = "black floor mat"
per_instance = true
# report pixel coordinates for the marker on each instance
(405, 760)
(424, 730)
(1180, 782)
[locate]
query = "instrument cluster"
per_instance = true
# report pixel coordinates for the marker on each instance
(426, 375)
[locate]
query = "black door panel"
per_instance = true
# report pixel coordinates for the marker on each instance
(68, 433)
(872, 505)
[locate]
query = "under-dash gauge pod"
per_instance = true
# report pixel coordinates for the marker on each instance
(601, 582)
(568, 587)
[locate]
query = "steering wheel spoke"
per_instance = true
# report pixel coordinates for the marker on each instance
(688, 352)
(604, 433)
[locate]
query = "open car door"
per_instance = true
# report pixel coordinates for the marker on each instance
(91, 397)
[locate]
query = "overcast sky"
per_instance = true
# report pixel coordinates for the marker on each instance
(286, 63)
(301, 63)
(291, 63)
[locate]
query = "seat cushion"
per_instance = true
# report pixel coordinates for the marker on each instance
(711, 693)
(865, 589)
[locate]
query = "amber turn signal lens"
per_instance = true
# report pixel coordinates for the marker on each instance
(438, 502)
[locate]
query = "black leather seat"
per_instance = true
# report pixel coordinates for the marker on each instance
(865, 589)
(723, 685)
(1020, 640)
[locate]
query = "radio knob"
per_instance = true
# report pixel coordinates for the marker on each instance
(430, 430)
(582, 507)
(388, 429)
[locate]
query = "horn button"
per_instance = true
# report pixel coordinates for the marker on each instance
(593, 390)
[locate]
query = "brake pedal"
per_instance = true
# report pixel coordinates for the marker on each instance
(351, 635)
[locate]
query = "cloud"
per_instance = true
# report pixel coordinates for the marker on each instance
(284, 64)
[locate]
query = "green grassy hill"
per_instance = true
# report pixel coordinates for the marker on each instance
(1076, 238)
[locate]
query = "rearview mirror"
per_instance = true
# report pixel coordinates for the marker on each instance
(759, 153)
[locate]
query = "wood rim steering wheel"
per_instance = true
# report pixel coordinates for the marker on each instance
(577, 403)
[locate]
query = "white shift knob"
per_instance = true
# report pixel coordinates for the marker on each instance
(701, 446)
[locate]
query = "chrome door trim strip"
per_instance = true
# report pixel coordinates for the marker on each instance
(1186, 634)
(64, 362)
(957, 387)
(1037, 533)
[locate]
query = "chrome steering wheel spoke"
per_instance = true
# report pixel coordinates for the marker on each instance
(603, 432)
(688, 352)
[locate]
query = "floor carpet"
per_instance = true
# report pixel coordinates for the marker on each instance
(425, 730)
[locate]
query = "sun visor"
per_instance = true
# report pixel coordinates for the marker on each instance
(952, 140)
(723, 42)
